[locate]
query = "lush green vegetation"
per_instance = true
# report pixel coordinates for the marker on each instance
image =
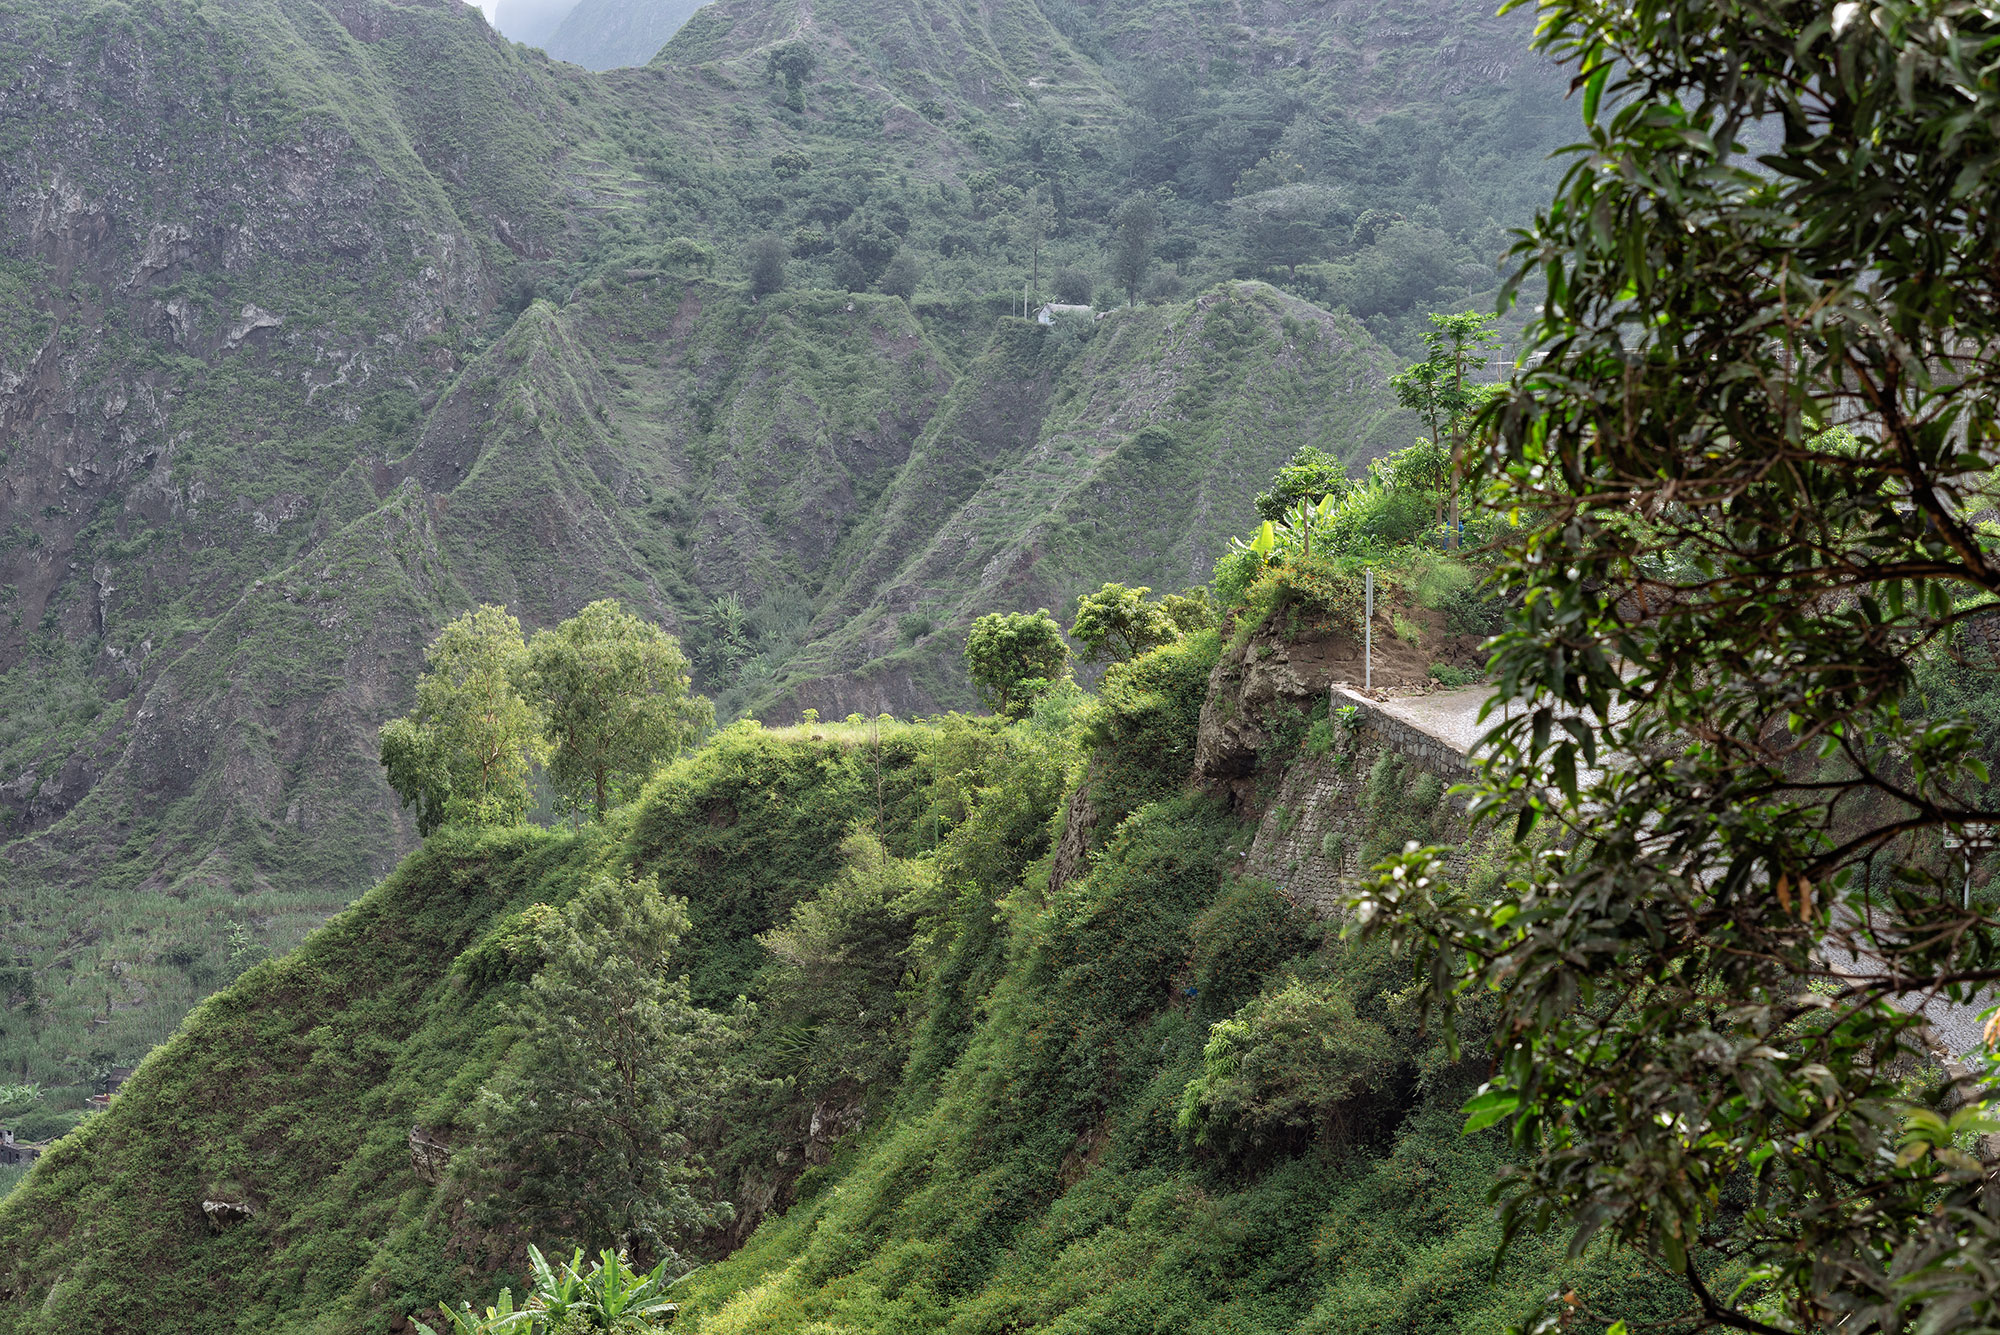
(1739, 1009)
(511, 349)
(972, 1024)
(987, 1097)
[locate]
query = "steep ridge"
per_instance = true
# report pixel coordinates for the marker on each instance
(982, 56)
(1031, 1163)
(1138, 438)
(204, 369)
(605, 34)
(273, 272)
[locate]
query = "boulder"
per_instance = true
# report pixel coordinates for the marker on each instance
(223, 1215)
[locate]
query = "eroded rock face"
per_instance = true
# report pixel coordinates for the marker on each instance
(832, 1120)
(1281, 674)
(429, 1155)
(1073, 849)
(223, 1215)
(1257, 683)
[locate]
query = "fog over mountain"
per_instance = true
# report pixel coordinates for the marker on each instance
(528, 21)
(612, 34)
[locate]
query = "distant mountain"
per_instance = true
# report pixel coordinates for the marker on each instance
(530, 22)
(612, 34)
(335, 317)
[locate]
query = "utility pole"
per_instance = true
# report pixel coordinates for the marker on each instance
(1368, 631)
(1976, 840)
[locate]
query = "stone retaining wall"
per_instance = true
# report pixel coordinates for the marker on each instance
(1307, 844)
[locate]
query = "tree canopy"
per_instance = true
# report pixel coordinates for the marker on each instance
(1015, 658)
(612, 690)
(1138, 225)
(792, 63)
(590, 1124)
(464, 753)
(601, 699)
(1311, 475)
(1441, 390)
(1722, 776)
(1117, 623)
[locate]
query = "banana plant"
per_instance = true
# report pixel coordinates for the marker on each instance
(1300, 522)
(553, 1296)
(610, 1296)
(622, 1293)
(493, 1321)
(1262, 544)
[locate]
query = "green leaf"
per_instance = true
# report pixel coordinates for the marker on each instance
(1593, 90)
(1485, 1109)
(1565, 770)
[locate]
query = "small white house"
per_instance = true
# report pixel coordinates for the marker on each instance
(1048, 313)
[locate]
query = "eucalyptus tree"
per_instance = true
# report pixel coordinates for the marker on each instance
(1720, 775)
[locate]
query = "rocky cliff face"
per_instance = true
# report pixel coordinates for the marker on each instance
(1330, 803)
(1265, 687)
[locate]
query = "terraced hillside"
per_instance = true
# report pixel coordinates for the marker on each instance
(321, 320)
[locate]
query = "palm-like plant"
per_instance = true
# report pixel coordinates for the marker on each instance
(493, 1321)
(610, 1296)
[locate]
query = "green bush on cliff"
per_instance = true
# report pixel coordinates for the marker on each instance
(842, 984)
(1247, 931)
(1144, 721)
(876, 890)
(1284, 1069)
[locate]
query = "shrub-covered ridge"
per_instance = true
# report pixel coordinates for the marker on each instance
(970, 1096)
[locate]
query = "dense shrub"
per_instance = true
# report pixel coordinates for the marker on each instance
(1285, 1068)
(1144, 723)
(749, 826)
(1238, 939)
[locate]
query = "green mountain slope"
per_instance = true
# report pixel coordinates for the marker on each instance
(1022, 1167)
(1119, 450)
(292, 289)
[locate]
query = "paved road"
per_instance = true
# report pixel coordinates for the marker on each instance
(1452, 717)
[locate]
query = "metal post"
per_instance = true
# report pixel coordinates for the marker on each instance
(1975, 840)
(1368, 632)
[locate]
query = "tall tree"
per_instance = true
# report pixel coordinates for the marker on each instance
(1441, 389)
(1031, 227)
(1709, 971)
(614, 699)
(1132, 244)
(793, 63)
(1282, 228)
(767, 256)
(586, 1133)
(1117, 623)
(463, 754)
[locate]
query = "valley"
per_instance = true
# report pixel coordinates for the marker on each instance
(847, 667)
(469, 324)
